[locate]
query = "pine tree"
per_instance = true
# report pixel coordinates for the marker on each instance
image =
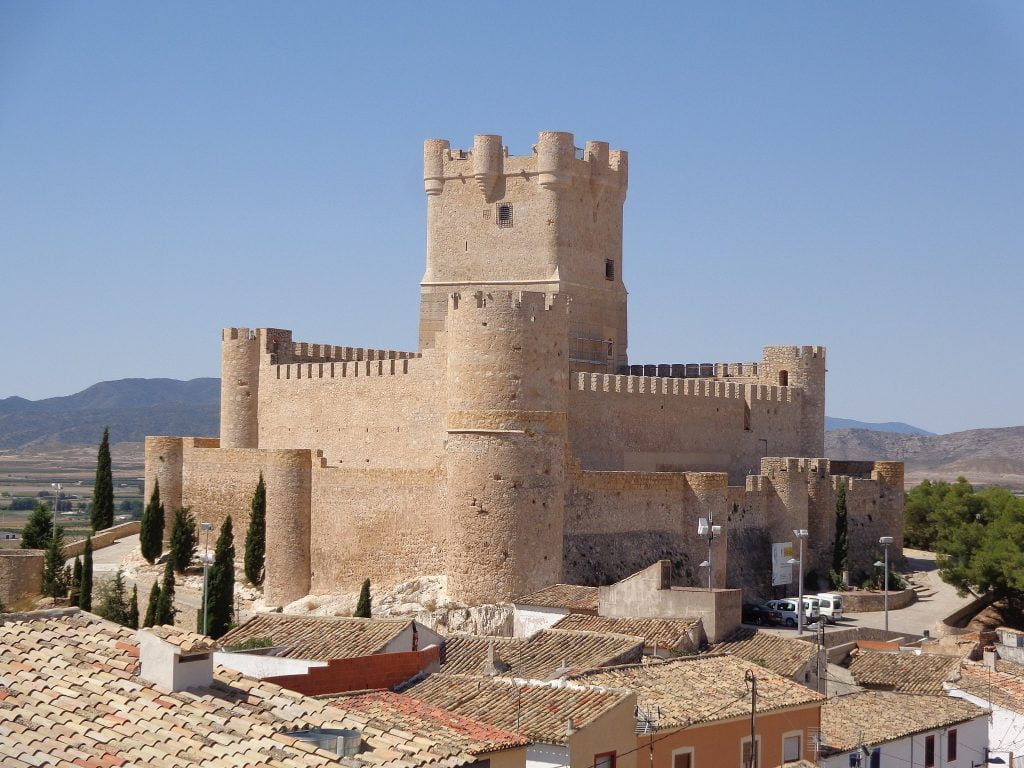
(54, 584)
(839, 553)
(133, 609)
(151, 606)
(85, 593)
(184, 539)
(165, 602)
(76, 582)
(103, 490)
(38, 529)
(256, 535)
(114, 600)
(220, 593)
(151, 531)
(364, 604)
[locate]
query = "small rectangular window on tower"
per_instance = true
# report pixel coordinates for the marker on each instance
(504, 215)
(609, 269)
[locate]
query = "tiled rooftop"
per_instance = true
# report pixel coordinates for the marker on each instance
(537, 710)
(779, 654)
(473, 736)
(876, 717)
(697, 689)
(901, 671)
(572, 597)
(542, 655)
(672, 634)
(1006, 688)
(70, 696)
(320, 638)
(188, 642)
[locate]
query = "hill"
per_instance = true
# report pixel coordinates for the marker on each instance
(983, 456)
(833, 423)
(132, 408)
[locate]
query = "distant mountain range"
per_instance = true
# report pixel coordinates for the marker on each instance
(134, 408)
(832, 423)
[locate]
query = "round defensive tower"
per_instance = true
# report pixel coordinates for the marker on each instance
(287, 474)
(239, 388)
(164, 460)
(507, 394)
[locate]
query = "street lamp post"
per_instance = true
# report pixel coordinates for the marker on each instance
(706, 529)
(885, 541)
(801, 534)
(207, 527)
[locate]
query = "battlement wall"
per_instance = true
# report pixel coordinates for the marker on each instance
(305, 352)
(693, 370)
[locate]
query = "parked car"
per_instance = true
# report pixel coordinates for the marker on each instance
(831, 606)
(787, 608)
(760, 614)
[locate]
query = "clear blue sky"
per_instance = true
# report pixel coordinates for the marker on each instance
(809, 173)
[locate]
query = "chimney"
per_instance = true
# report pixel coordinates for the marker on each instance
(494, 665)
(174, 659)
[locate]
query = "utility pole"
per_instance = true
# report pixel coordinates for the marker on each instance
(751, 680)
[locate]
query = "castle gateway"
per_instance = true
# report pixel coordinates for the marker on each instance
(519, 446)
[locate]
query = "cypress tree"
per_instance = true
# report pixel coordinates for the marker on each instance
(76, 582)
(85, 593)
(364, 604)
(151, 606)
(839, 554)
(151, 531)
(221, 583)
(165, 602)
(184, 539)
(54, 584)
(133, 609)
(38, 529)
(103, 490)
(114, 600)
(256, 535)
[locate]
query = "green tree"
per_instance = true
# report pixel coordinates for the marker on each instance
(102, 515)
(85, 593)
(76, 582)
(133, 609)
(839, 551)
(221, 583)
(54, 583)
(165, 602)
(151, 531)
(113, 600)
(256, 535)
(184, 539)
(364, 604)
(151, 606)
(38, 529)
(932, 505)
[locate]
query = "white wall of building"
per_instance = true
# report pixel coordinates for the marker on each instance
(259, 666)
(546, 756)
(1005, 729)
(528, 620)
(972, 738)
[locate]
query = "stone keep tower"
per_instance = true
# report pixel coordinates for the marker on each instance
(803, 367)
(548, 222)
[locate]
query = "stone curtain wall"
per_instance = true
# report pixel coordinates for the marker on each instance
(21, 574)
(103, 538)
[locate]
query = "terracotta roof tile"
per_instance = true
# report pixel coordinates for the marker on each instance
(1005, 687)
(876, 717)
(542, 655)
(188, 642)
(782, 655)
(540, 711)
(78, 699)
(671, 634)
(473, 736)
(902, 671)
(697, 689)
(572, 597)
(319, 638)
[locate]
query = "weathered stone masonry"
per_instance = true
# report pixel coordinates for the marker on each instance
(518, 446)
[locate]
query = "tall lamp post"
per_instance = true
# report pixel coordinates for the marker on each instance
(707, 530)
(206, 527)
(801, 534)
(886, 541)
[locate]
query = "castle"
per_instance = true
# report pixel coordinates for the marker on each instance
(518, 446)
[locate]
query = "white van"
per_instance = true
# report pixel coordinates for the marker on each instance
(811, 610)
(831, 606)
(787, 607)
